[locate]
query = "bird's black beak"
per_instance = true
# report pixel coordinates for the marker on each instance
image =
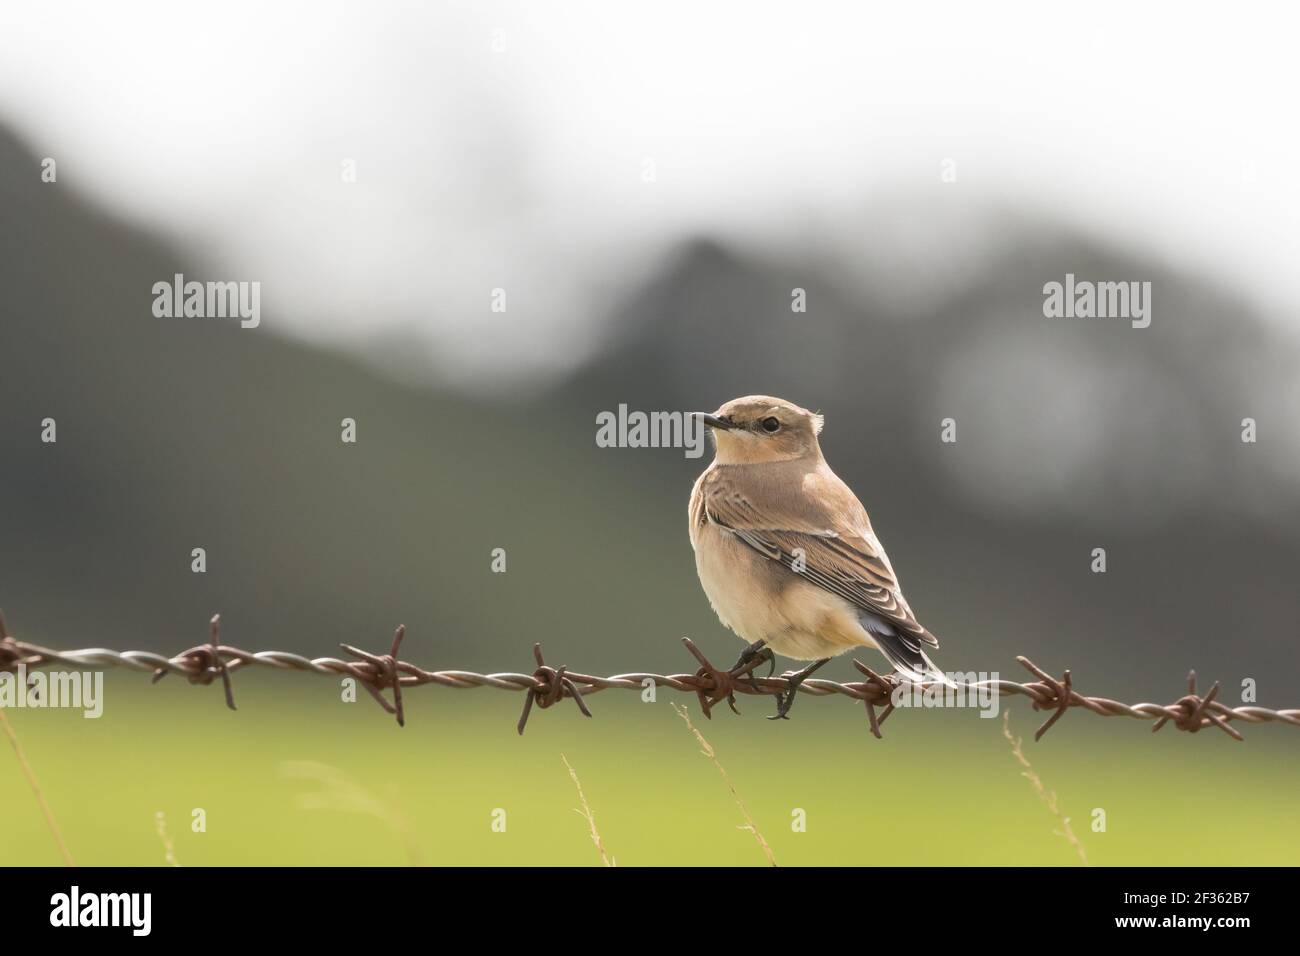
(713, 421)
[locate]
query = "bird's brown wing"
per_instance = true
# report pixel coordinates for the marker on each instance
(846, 560)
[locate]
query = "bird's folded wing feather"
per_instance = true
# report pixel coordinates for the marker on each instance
(835, 551)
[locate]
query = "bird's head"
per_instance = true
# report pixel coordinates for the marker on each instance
(760, 428)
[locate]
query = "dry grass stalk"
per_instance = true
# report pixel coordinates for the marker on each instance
(1047, 796)
(587, 815)
(36, 788)
(707, 749)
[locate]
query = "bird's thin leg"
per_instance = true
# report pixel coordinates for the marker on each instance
(751, 658)
(758, 651)
(748, 654)
(786, 702)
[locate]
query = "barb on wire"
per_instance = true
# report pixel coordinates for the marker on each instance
(553, 686)
(1060, 689)
(548, 685)
(207, 661)
(385, 675)
(1197, 714)
(715, 685)
(884, 689)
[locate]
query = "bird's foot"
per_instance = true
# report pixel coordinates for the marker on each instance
(752, 658)
(785, 701)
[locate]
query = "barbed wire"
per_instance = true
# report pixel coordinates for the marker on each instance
(546, 686)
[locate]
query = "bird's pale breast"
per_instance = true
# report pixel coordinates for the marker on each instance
(761, 600)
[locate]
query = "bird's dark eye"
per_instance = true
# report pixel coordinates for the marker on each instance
(770, 424)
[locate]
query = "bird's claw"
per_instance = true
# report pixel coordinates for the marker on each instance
(785, 701)
(793, 678)
(751, 658)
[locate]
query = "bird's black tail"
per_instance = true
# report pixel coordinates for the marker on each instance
(905, 654)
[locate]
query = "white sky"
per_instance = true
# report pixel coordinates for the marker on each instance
(225, 124)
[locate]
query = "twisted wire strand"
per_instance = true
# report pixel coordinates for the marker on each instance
(548, 685)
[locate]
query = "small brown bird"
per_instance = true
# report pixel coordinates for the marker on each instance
(786, 553)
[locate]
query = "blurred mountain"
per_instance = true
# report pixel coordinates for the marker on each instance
(1071, 435)
(175, 434)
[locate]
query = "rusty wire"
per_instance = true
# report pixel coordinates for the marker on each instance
(546, 686)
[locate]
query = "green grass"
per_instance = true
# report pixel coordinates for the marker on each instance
(941, 788)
